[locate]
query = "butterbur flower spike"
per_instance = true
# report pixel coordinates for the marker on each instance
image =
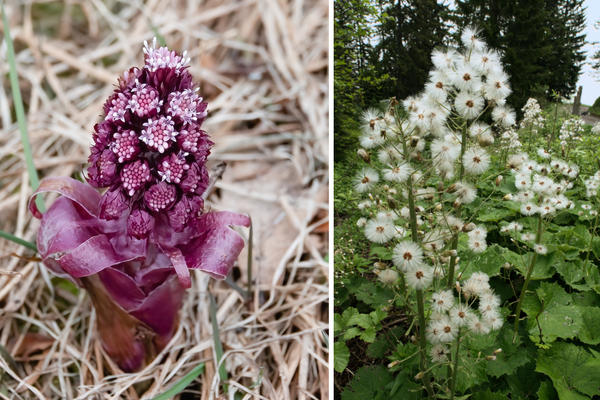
(131, 247)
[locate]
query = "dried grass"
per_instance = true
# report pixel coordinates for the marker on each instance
(262, 65)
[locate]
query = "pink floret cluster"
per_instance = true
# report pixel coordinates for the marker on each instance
(150, 150)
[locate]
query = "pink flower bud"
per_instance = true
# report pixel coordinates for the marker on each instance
(103, 169)
(179, 214)
(113, 204)
(160, 196)
(139, 224)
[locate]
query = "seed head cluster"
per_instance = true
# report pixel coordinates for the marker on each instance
(429, 160)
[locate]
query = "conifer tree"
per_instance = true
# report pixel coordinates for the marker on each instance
(408, 30)
(541, 41)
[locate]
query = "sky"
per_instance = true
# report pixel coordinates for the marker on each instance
(589, 78)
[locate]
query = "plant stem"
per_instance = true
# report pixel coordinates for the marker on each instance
(538, 236)
(463, 148)
(452, 264)
(454, 244)
(420, 302)
(412, 212)
(455, 368)
(423, 342)
(551, 139)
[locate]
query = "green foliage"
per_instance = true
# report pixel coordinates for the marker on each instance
(373, 294)
(489, 395)
(182, 383)
(562, 307)
(513, 355)
(546, 391)
(351, 323)
(20, 111)
(574, 370)
(556, 315)
(488, 261)
(341, 356)
(595, 108)
(377, 383)
(382, 49)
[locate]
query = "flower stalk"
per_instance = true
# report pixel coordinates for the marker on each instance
(538, 236)
(455, 366)
(127, 340)
(454, 244)
(419, 293)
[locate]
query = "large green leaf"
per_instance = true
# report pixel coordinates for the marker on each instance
(489, 395)
(553, 313)
(353, 324)
(596, 246)
(590, 325)
(406, 357)
(546, 391)
(377, 383)
(341, 356)
(574, 370)
(490, 261)
(340, 321)
(495, 214)
(573, 273)
(556, 322)
(576, 237)
(471, 366)
(523, 383)
(381, 252)
(513, 355)
(471, 370)
(374, 294)
(544, 264)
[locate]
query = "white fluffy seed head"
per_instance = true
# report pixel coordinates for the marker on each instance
(365, 180)
(442, 301)
(476, 160)
(407, 254)
(419, 277)
(388, 276)
(380, 230)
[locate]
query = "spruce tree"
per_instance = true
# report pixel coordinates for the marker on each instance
(541, 42)
(566, 24)
(408, 31)
(353, 76)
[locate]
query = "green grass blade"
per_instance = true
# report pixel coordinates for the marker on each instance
(236, 287)
(217, 339)
(20, 110)
(18, 240)
(182, 384)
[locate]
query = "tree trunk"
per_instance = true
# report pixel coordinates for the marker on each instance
(577, 102)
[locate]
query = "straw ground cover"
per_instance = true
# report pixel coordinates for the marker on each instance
(262, 68)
